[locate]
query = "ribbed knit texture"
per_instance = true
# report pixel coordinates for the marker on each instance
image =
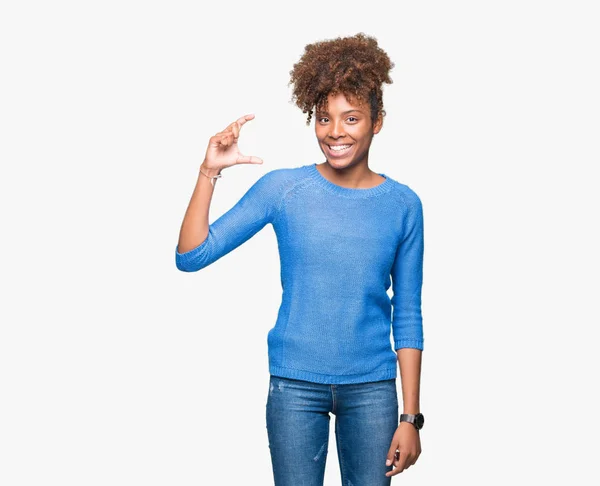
(340, 251)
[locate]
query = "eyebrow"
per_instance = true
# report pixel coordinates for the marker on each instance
(322, 112)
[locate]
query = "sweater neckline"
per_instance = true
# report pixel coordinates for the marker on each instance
(381, 188)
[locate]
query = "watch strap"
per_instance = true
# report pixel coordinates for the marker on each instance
(416, 419)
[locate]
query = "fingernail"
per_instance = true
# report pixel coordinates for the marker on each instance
(388, 462)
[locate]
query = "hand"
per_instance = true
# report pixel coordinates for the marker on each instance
(223, 149)
(407, 442)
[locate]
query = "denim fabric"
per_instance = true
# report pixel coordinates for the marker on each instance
(297, 417)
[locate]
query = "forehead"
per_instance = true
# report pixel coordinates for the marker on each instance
(339, 103)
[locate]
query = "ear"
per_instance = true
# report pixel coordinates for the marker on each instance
(378, 124)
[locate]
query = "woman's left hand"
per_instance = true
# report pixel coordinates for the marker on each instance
(405, 448)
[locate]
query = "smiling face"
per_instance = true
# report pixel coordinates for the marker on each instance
(345, 131)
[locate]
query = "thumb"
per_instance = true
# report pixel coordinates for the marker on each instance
(391, 454)
(248, 159)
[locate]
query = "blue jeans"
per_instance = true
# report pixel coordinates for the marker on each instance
(297, 413)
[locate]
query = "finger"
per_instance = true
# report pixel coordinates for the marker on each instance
(232, 128)
(235, 129)
(390, 455)
(229, 138)
(397, 464)
(401, 463)
(217, 139)
(404, 460)
(225, 141)
(392, 472)
(239, 123)
(243, 119)
(248, 159)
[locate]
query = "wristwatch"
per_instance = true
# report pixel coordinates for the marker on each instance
(416, 419)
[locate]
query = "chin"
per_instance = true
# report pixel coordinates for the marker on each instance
(339, 164)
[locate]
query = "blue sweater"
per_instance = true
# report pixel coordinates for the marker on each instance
(340, 250)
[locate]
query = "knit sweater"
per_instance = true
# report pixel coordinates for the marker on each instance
(340, 249)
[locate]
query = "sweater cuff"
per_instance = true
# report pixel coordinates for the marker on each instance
(188, 261)
(409, 343)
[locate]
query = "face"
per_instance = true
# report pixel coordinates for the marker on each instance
(348, 126)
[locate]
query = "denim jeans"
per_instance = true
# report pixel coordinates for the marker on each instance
(297, 416)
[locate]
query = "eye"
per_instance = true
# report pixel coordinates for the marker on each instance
(323, 118)
(353, 118)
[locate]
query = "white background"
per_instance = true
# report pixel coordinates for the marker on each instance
(117, 369)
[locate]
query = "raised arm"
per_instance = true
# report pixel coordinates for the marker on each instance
(257, 207)
(200, 244)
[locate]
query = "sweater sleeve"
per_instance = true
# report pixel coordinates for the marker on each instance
(407, 279)
(248, 216)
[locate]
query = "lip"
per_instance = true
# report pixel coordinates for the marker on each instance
(338, 155)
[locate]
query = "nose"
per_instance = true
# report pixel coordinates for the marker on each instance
(336, 129)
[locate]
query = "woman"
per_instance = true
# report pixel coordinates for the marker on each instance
(345, 234)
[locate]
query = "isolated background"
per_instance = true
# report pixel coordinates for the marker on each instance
(116, 368)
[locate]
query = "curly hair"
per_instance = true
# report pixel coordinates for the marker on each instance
(355, 66)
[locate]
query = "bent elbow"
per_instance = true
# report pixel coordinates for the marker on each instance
(194, 259)
(186, 266)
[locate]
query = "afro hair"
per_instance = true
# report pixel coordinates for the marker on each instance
(355, 66)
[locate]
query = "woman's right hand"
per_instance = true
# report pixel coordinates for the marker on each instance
(223, 148)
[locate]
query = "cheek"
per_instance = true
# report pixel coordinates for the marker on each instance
(356, 131)
(362, 135)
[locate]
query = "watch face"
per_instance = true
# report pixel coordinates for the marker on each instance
(419, 420)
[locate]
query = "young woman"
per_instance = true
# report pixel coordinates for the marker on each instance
(345, 235)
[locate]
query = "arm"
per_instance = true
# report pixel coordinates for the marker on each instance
(407, 279)
(201, 244)
(405, 447)
(409, 361)
(407, 326)
(194, 228)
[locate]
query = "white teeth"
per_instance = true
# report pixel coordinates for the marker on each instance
(339, 147)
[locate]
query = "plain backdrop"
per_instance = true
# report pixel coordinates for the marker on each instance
(118, 369)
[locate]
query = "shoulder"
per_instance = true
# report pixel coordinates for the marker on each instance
(272, 179)
(281, 174)
(406, 195)
(282, 179)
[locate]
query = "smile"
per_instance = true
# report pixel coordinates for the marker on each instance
(339, 150)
